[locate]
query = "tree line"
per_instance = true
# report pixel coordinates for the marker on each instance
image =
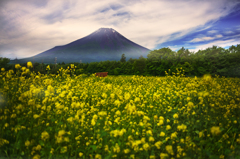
(215, 60)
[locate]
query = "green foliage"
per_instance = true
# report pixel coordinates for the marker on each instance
(212, 60)
(162, 53)
(123, 58)
(116, 71)
(186, 67)
(79, 71)
(3, 62)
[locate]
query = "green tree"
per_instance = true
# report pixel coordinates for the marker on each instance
(140, 65)
(123, 58)
(3, 62)
(163, 53)
(186, 67)
(116, 71)
(131, 60)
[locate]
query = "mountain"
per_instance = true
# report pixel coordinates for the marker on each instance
(102, 45)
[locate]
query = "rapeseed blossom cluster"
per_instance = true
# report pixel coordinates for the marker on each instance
(118, 117)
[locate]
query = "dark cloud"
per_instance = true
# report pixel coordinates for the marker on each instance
(39, 3)
(115, 6)
(53, 17)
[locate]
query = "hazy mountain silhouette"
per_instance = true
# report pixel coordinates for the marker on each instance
(102, 45)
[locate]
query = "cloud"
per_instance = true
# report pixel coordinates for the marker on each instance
(212, 31)
(31, 27)
(202, 39)
(218, 36)
(206, 38)
(228, 32)
(219, 43)
(174, 48)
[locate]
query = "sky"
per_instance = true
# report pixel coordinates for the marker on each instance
(30, 27)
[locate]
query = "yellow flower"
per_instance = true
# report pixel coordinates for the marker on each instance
(215, 130)
(117, 102)
(151, 139)
(152, 157)
(2, 69)
(116, 148)
(63, 149)
(45, 135)
(126, 151)
(104, 95)
(98, 156)
(158, 144)
(118, 112)
(190, 104)
(168, 127)
(35, 116)
(162, 134)
(24, 68)
(48, 67)
(105, 148)
(175, 116)
(163, 155)
(200, 134)
(80, 154)
(93, 122)
(29, 64)
(160, 122)
(61, 132)
(146, 146)
(38, 148)
(36, 157)
(52, 150)
(174, 135)
(17, 66)
(112, 96)
(27, 71)
(238, 140)
(27, 143)
(169, 149)
(127, 96)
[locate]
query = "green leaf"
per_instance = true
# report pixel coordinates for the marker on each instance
(41, 143)
(197, 132)
(94, 147)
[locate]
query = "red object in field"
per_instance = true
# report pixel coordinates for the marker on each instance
(101, 74)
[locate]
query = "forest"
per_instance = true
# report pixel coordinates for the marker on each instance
(213, 61)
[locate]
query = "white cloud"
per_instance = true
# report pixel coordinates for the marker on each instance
(218, 36)
(32, 30)
(206, 38)
(212, 31)
(174, 48)
(218, 43)
(228, 32)
(202, 39)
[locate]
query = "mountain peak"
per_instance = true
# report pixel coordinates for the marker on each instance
(102, 45)
(105, 30)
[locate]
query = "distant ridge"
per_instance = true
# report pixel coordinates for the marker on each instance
(102, 45)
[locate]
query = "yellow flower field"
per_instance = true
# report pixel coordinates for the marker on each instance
(48, 116)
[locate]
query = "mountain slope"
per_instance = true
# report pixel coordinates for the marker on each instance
(101, 45)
